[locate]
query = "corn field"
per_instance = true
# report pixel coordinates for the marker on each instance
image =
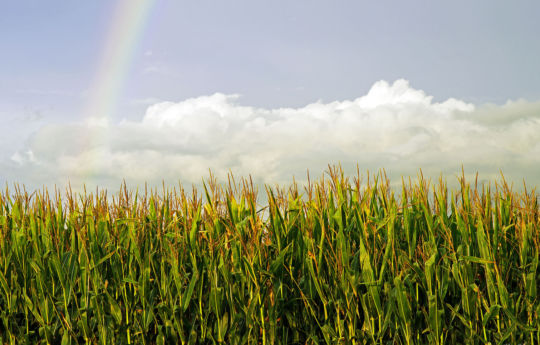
(337, 261)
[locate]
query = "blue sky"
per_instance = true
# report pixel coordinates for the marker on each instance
(296, 55)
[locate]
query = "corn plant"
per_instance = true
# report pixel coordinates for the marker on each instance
(337, 261)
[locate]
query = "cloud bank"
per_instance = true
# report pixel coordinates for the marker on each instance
(393, 126)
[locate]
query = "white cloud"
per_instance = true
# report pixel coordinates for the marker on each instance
(394, 126)
(22, 158)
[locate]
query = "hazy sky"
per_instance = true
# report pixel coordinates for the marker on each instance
(93, 91)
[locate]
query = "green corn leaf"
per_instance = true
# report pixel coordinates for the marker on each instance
(189, 292)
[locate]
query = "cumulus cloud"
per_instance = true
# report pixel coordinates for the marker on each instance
(393, 126)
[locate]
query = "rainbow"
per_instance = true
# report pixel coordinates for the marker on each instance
(127, 25)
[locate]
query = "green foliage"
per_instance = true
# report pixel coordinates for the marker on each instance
(341, 263)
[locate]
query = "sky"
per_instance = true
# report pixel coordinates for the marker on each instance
(95, 92)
